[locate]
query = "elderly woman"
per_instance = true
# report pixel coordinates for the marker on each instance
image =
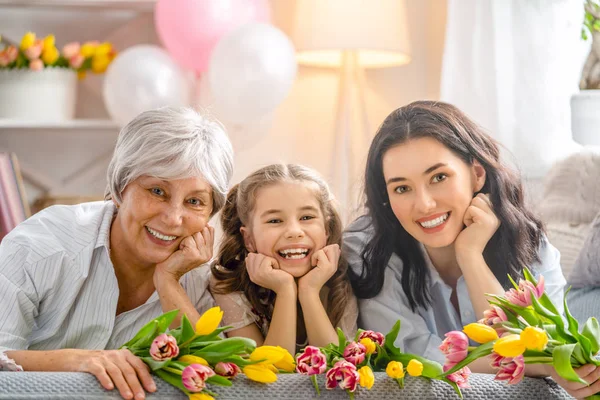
(79, 281)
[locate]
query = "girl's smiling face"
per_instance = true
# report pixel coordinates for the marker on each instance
(429, 189)
(287, 224)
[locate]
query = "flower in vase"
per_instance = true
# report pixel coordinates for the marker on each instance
(311, 362)
(76, 61)
(36, 65)
(164, 347)
(88, 48)
(342, 374)
(376, 337)
(50, 55)
(27, 41)
(355, 353)
(71, 50)
(194, 377)
(34, 51)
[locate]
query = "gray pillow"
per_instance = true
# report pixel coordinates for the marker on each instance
(586, 271)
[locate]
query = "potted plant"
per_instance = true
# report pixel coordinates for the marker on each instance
(585, 105)
(39, 82)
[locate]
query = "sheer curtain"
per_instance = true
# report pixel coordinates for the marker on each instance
(512, 65)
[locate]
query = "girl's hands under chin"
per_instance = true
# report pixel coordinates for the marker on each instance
(264, 271)
(326, 263)
(193, 251)
(481, 224)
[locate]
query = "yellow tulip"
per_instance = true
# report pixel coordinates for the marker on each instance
(27, 41)
(50, 55)
(100, 64)
(509, 346)
(190, 359)
(366, 377)
(480, 333)
(260, 373)
(268, 354)
(209, 321)
(287, 362)
(414, 367)
(88, 49)
(49, 42)
(103, 49)
(395, 370)
(369, 345)
(534, 338)
(200, 396)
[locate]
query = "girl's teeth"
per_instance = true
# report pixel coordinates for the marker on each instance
(160, 236)
(434, 222)
(293, 254)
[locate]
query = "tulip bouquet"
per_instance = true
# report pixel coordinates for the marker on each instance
(350, 364)
(35, 53)
(191, 357)
(524, 327)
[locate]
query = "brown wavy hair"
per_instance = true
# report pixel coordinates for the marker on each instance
(232, 275)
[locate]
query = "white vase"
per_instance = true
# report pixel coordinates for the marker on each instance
(585, 117)
(46, 95)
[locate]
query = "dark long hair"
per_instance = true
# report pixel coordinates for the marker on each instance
(232, 275)
(514, 245)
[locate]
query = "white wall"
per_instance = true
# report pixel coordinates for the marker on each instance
(301, 129)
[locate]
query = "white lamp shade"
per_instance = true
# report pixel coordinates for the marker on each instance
(376, 29)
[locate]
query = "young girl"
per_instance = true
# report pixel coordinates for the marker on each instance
(446, 223)
(280, 279)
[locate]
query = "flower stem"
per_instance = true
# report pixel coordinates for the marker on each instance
(313, 378)
(538, 360)
(172, 370)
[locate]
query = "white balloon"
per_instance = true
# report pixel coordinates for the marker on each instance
(251, 71)
(142, 78)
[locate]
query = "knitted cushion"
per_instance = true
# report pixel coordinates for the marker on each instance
(63, 385)
(568, 239)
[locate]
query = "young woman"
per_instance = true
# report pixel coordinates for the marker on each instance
(280, 279)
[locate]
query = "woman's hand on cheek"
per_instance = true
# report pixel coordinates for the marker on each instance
(481, 223)
(326, 263)
(193, 251)
(264, 271)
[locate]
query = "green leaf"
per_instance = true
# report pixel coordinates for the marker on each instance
(237, 360)
(390, 340)
(481, 351)
(155, 365)
(562, 362)
(341, 340)
(187, 330)
(557, 319)
(165, 320)
(232, 345)
(218, 380)
(431, 369)
(591, 330)
(150, 329)
(171, 378)
(454, 386)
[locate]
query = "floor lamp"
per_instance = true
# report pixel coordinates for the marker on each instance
(351, 35)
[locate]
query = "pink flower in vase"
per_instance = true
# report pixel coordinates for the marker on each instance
(355, 353)
(36, 65)
(522, 296)
(455, 347)
(34, 52)
(11, 53)
(376, 337)
(311, 362)
(194, 377)
(76, 61)
(460, 377)
(70, 50)
(3, 59)
(227, 369)
(164, 347)
(511, 369)
(342, 374)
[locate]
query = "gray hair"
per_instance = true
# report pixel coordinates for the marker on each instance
(172, 143)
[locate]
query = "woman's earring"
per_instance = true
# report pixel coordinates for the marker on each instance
(385, 203)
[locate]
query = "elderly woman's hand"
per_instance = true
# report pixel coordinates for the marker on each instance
(193, 251)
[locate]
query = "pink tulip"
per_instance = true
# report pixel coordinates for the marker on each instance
(455, 347)
(76, 61)
(460, 377)
(34, 52)
(36, 65)
(3, 59)
(355, 353)
(194, 377)
(311, 362)
(164, 347)
(493, 317)
(12, 53)
(376, 337)
(70, 50)
(227, 369)
(511, 369)
(342, 374)
(522, 296)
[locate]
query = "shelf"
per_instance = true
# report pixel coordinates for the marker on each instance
(133, 5)
(76, 124)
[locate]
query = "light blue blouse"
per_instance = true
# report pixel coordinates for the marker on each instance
(421, 332)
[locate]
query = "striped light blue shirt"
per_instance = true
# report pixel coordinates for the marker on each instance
(58, 287)
(421, 332)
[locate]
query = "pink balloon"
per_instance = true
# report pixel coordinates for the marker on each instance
(189, 29)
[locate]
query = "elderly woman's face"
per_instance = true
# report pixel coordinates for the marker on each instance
(156, 215)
